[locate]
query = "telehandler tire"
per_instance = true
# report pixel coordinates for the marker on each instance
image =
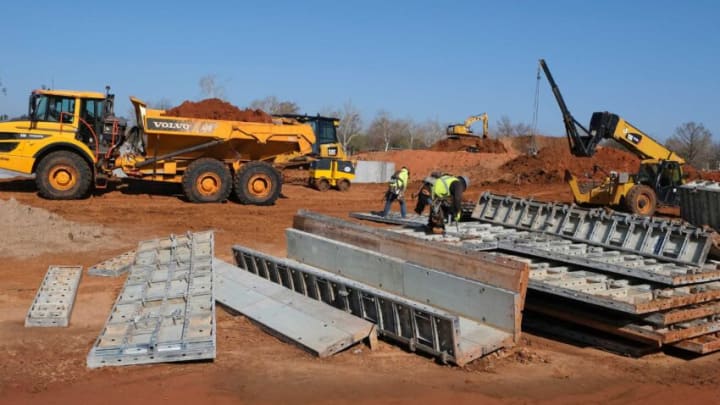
(207, 180)
(257, 183)
(63, 175)
(641, 200)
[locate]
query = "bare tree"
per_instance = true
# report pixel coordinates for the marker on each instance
(272, 105)
(162, 104)
(351, 124)
(430, 132)
(505, 128)
(210, 88)
(693, 142)
(381, 130)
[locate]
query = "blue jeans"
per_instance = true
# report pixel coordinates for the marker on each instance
(388, 203)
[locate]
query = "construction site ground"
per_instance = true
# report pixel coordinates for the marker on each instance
(47, 365)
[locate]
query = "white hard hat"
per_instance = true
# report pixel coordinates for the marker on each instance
(466, 181)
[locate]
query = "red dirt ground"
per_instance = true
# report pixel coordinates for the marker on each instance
(47, 365)
(463, 143)
(216, 109)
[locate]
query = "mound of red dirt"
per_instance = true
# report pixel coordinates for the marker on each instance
(470, 144)
(549, 165)
(216, 109)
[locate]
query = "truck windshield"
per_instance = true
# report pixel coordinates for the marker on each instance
(49, 108)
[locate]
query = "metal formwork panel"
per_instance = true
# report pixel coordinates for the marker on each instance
(54, 300)
(421, 327)
(486, 236)
(113, 267)
(613, 261)
(650, 237)
(469, 298)
(584, 284)
(319, 328)
(166, 309)
(700, 203)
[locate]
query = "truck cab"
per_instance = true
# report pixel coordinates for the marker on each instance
(61, 140)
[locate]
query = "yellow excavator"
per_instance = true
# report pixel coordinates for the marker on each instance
(655, 183)
(456, 131)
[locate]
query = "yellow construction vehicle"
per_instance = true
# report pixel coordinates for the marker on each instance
(329, 164)
(72, 142)
(655, 183)
(455, 131)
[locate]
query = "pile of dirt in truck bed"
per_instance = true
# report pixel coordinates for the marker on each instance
(31, 231)
(469, 144)
(216, 109)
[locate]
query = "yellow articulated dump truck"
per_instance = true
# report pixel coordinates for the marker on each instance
(72, 142)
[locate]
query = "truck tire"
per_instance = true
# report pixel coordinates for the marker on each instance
(641, 200)
(207, 180)
(257, 183)
(63, 175)
(343, 185)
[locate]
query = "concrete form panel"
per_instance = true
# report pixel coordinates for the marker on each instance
(650, 237)
(367, 171)
(421, 327)
(166, 309)
(113, 267)
(54, 300)
(317, 327)
(468, 298)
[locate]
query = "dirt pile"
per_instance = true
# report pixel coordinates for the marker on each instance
(549, 165)
(33, 231)
(469, 144)
(216, 109)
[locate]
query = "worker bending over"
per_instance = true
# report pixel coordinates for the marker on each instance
(447, 195)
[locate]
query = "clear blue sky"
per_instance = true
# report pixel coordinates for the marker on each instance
(655, 63)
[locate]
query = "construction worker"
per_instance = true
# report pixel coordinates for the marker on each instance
(424, 195)
(396, 191)
(449, 190)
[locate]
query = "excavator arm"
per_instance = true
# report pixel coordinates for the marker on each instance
(464, 128)
(604, 125)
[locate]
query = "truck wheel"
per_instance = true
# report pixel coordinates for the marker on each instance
(207, 180)
(257, 183)
(343, 185)
(322, 184)
(641, 200)
(63, 175)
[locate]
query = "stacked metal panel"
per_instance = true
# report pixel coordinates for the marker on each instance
(166, 309)
(646, 280)
(425, 328)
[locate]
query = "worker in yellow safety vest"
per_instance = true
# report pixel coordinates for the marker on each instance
(396, 191)
(451, 188)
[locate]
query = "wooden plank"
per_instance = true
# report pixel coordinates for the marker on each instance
(500, 272)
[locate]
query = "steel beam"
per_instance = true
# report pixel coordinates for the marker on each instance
(166, 309)
(421, 327)
(54, 300)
